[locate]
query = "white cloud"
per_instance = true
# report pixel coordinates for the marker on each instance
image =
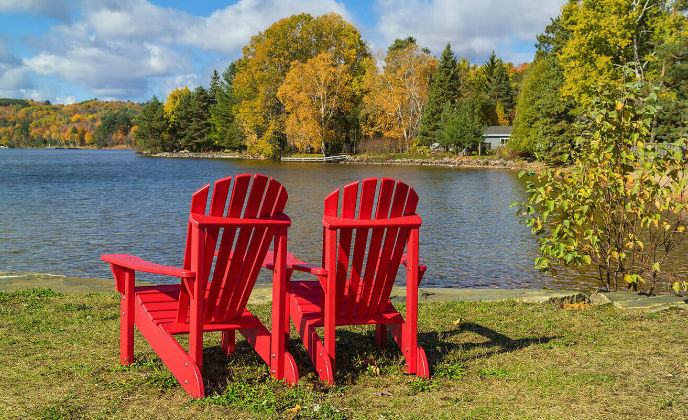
(474, 28)
(132, 48)
(65, 100)
(228, 29)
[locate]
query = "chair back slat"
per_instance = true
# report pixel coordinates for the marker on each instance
(384, 198)
(365, 210)
(398, 251)
(240, 250)
(256, 250)
(236, 261)
(385, 261)
(236, 205)
(368, 259)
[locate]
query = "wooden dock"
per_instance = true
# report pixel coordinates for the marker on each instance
(325, 159)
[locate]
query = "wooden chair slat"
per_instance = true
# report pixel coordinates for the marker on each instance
(384, 199)
(365, 211)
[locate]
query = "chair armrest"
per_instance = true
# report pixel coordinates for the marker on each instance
(204, 221)
(332, 222)
(139, 264)
(294, 263)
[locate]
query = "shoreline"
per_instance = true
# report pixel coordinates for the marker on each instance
(381, 160)
(467, 162)
(11, 281)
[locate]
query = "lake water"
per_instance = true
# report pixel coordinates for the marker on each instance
(61, 209)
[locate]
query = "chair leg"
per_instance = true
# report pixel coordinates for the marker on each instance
(228, 341)
(416, 360)
(381, 335)
(259, 338)
(177, 360)
(126, 331)
(127, 317)
(322, 361)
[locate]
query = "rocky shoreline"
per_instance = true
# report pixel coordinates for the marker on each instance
(447, 162)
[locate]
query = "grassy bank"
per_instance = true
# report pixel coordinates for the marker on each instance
(490, 360)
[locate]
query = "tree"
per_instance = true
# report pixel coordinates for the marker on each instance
(621, 205)
(152, 127)
(266, 60)
(225, 130)
(459, 128)
(173, 100)
(313, 94)
(605, 36)
(544, 120)
(444, 88)
(192, 116)
(498, 84)
(397, 96)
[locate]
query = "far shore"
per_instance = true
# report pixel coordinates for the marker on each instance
(440, 161)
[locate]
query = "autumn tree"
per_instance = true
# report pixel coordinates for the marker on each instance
(267, 59)
(313, 94)
(173, 100)
(398, 93)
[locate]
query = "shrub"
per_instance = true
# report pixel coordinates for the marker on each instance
(620, 206)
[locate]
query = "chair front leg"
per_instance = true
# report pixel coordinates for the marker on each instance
(125, 281)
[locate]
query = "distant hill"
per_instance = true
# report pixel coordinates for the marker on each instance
(25, 123)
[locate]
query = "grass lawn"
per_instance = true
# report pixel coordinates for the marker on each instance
(60, 360)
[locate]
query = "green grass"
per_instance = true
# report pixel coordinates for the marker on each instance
(59, 355)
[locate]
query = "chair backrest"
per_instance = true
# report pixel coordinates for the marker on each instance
(235, 254)
(368, 258)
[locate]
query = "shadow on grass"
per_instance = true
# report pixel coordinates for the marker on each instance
(438, 347)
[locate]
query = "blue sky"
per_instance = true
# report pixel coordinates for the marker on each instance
(71, 50)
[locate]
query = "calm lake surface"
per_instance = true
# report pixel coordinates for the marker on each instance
(61, 209)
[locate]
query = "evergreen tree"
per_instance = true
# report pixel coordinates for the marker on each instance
(498, 84)
(400, 44)
(544, 121)
(459, 126)
(214, 88)
(193, 118)
(152, 127)
(444, 88)
(225, 131)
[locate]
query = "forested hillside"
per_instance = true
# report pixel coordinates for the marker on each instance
(93, 123)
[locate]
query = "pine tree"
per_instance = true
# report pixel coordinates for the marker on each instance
(214, 88)
(193, 118)
(445, 89)
(225, 131)
(544, 120)
(498, 84)
(152, 125)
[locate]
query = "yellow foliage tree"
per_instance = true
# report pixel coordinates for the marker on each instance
(313, 93)
(173, 100)
(267, 59)
(397, 95)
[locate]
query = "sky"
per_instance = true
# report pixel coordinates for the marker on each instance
(69, 51)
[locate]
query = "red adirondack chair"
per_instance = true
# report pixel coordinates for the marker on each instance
(353, 288)
(237, 244)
